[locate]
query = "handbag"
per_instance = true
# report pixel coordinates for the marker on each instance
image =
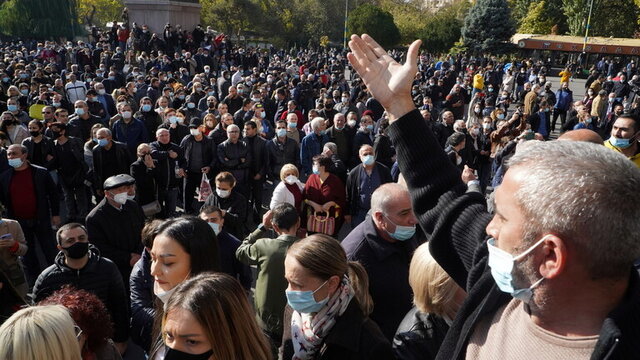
(321, 222)
(205, 188)
(151, 208)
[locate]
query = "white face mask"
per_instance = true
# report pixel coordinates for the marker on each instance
(291, 179)
(120, 198)
(126, 114)
(223, 193)
(351, 123)
(131, 197)
(194, 132)
(162, 295)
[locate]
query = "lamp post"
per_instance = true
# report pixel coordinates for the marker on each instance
(346, 14)
(586, 30)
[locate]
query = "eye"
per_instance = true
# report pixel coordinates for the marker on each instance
(168, 336)
(192, 342)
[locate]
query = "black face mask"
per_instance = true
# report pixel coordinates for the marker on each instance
(172, 354)
(77, 250)
(56, 134)
(34, 133)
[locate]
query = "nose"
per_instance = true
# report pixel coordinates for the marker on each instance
(414, 219)
(492, 228)
(154, 268)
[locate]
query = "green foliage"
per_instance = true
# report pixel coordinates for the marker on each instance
(376, 22)
(442, 30)
(408, 16)
(39, 19)
(607, 19)
(230, 16)
(537, 20)
(99, 12)
(488, 27)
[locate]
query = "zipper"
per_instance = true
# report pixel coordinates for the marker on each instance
(616, 342)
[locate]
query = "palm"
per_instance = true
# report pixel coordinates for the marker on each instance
(385, 78)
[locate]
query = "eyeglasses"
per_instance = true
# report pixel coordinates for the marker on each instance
(78, 331)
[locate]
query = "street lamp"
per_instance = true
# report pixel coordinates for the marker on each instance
(346, 14)
(586, 30)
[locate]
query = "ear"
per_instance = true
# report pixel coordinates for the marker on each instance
(554, 260)
(333, 283)
(59, 247)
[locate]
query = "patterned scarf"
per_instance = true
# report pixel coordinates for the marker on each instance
(308, 330)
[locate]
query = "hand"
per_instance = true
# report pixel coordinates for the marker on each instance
(181, 173)
(55, 221)
(224, 212)
(173, 125)
(173, 154)
(257, 177)
(134, 259)
(49, 157)
(206, 169)
(242, 160)
(347, 218)
(7, 242)
(468, 175)
(148, 161)
(122, 347)
(266, 220)
(389, 82)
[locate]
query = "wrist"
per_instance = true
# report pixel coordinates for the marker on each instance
(399, 108)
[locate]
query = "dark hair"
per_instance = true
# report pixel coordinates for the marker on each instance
(69, 226)
(87, 311)
(323, 160)
(197, 239)
(455, 139)
(633, 117)
(285, 216)
(209, 209)
(252, 124)
(149, 232)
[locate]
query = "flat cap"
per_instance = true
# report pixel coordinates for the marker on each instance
(118, 180)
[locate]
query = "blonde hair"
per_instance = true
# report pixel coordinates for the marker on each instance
(433, 289)
(220, 305)
(360, 283)
(286, 168)
(39, 332)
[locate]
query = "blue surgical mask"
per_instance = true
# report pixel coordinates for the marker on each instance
(12, 107)
(24, 92)
(103, 142)
(500, 116)
(315, 169)
(262, 114)
(368, 160)
(215, 227)
(502, 264)
(370, 127)
(56, 104)
(174, 119)
(292, 125)
(281, 132)
(79, 111)
(322, 132)
(15, 163)
(146, 107)
(191, 105)
(620, 143)
(402, 233)
(304, 302)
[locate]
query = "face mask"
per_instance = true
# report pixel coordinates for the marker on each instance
(322, 132)
(262, 114)
(131, 197)
(490, 89)
(146, 108)
(351, 123)
(292, 125)
(5, 79)
(502, 264)
(181, 97)
(281, 132)
(291, 179)
(588, 120)
(77, 250)
(56, 104)
(126, 114)
(112, 78)
(12, 108)
(102, 92)
(15, 163)
(477, 110)
(304, 302)
(215, 227)
(79, 111)
(172, 354)
(368, 160)
(369, 127)
(103, 142)
(463, 130)
(191, 106)
(194, 132)
(223, 193)
(475, 132)
(486, 126)
(620, 143)
(402, 233)
(345, 100)
(120, 198)
(34, 133)
(315, 169)
(500, 116)
(162, 295)
(174, 119)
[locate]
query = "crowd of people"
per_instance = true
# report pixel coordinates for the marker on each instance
(143, 176)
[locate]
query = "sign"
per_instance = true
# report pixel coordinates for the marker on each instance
(534, 44)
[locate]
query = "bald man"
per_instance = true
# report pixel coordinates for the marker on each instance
(582, 135)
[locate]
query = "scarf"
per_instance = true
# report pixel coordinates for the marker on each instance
(309, 330)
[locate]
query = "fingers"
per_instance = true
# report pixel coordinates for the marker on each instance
(412, 54)
(375, 47)
(365, 47)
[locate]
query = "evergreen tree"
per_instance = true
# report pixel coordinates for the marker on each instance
(489, 27)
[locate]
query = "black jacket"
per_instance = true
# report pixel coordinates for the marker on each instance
(46, 148)
(353, 185)
(387, 265)
(146, 181)
(100, 276)
(383, 150)
(236, 207)
(419, 336)
(209, 151)
(123, 160)
(279, 154)
(257, 149)
(142, 302)
(457, 220)
(175, 134)
(352, 337)
(116, 232)
(83, 126)
(76, 177)
(166, 165)
(151, 121)
(47, 200)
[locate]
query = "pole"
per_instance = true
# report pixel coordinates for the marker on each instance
(586, 30)
(346, 14)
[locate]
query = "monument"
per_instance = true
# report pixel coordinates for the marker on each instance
(157, 13)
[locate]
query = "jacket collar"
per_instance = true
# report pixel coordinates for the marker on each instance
(382, 248)
(94, 257)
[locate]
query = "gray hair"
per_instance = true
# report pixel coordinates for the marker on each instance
(104, 131)
(384, 195)
(233, 127)
(585, 194)
(331, 146)
(316, 123)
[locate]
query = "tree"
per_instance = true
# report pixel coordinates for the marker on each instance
(442, 29)
(606, 19)
(99, 12)
(230, 16)
(536, 21)
(408, 16)
(39, 19)
(489, 27)
(376, 22)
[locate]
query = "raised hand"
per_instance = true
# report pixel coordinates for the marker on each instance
(387, 80)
